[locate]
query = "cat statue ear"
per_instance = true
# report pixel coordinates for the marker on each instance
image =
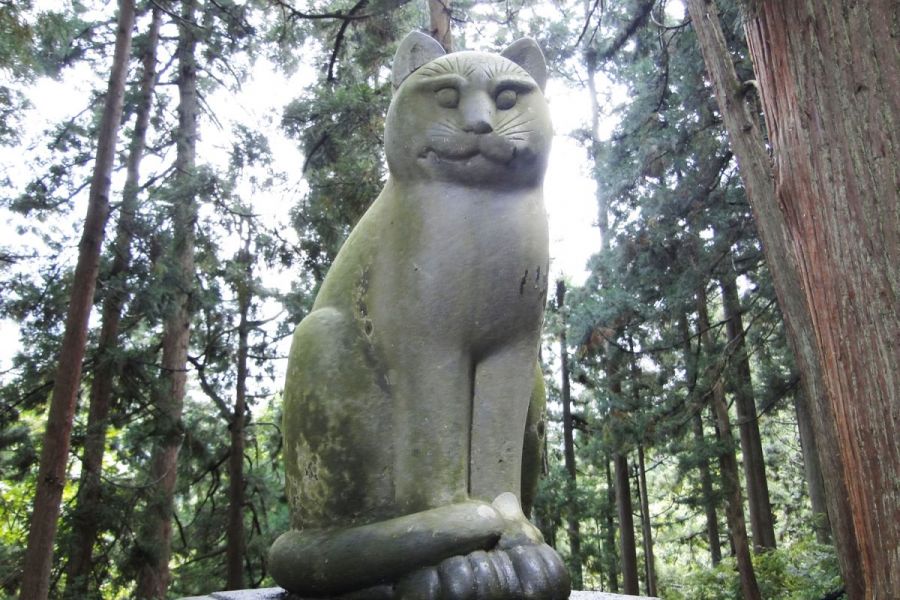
(415, 50)
(527, 54)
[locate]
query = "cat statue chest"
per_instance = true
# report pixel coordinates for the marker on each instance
(461, 225)
(414, 404)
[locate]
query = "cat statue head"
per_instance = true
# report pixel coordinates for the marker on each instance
(471, 118)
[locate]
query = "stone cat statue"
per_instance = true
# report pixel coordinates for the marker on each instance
(413, 407)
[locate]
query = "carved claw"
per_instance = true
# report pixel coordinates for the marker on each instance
(527, 572)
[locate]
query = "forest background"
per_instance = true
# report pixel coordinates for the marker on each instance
(678, 405)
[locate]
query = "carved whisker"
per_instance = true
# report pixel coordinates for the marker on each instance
(509, 122)
(517, 131)
(513, 125)
(515, 118)
(442, 128)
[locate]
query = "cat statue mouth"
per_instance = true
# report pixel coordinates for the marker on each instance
(465, 146)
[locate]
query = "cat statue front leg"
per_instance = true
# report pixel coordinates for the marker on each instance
(340, 461)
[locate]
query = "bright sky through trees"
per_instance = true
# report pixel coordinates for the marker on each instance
(569, 190)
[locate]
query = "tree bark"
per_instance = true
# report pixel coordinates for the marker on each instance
(36, 565)
(573, 528)
(782, 257)
(612, 559)
(168, 394)
(646, 529)
(627, 549)
(815, 483)
(641, 478)
(235, 541)
(706, 488)
(697, 405)
(439, 23)
(734, 503)
(829, 80)
(762, 524)
(86, 521)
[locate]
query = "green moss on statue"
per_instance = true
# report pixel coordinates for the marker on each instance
(413, 415)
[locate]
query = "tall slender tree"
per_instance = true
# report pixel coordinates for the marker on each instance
(627, 546)
(813, 468)
(86, 518)
(762, 524)
(646, 525)
(235, 539)
(573, 527)
(168, 395)
(734, 503)
(37, 563)
(696, 406)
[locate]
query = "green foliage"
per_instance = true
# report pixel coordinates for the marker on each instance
(339, 123)
(341, 130)
(802, 570)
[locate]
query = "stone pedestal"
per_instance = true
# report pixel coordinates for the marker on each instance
(277, 594)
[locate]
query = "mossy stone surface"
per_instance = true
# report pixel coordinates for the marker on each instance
(413, 407)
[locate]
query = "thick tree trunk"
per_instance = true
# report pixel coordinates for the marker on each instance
(731, 484)
(706, 484)
(646, 529)
(86, 520)
(829, 80)
(51, 480)
(782, 257)
(439, 23)
(762, 524)
(815, 483)
(573, 528)
(627, 549)
(168, 395)
(235, 542)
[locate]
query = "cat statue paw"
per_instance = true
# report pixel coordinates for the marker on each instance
(414, 405)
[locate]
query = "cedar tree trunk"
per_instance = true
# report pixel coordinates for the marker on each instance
(762, 524)
(156, 528)
(641, 477)
(706, 484)
(628, 552)
(706, 488)
(731, 484)
(829, 79)
(439, 23)
(611, 558)
(649, 566)
(815, 483)
(235, 543)
(773, 211)
(51, 479)
(573, 529)
(87, 514)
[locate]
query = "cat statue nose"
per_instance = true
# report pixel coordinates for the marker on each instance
(479, 126)
(476, 113)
